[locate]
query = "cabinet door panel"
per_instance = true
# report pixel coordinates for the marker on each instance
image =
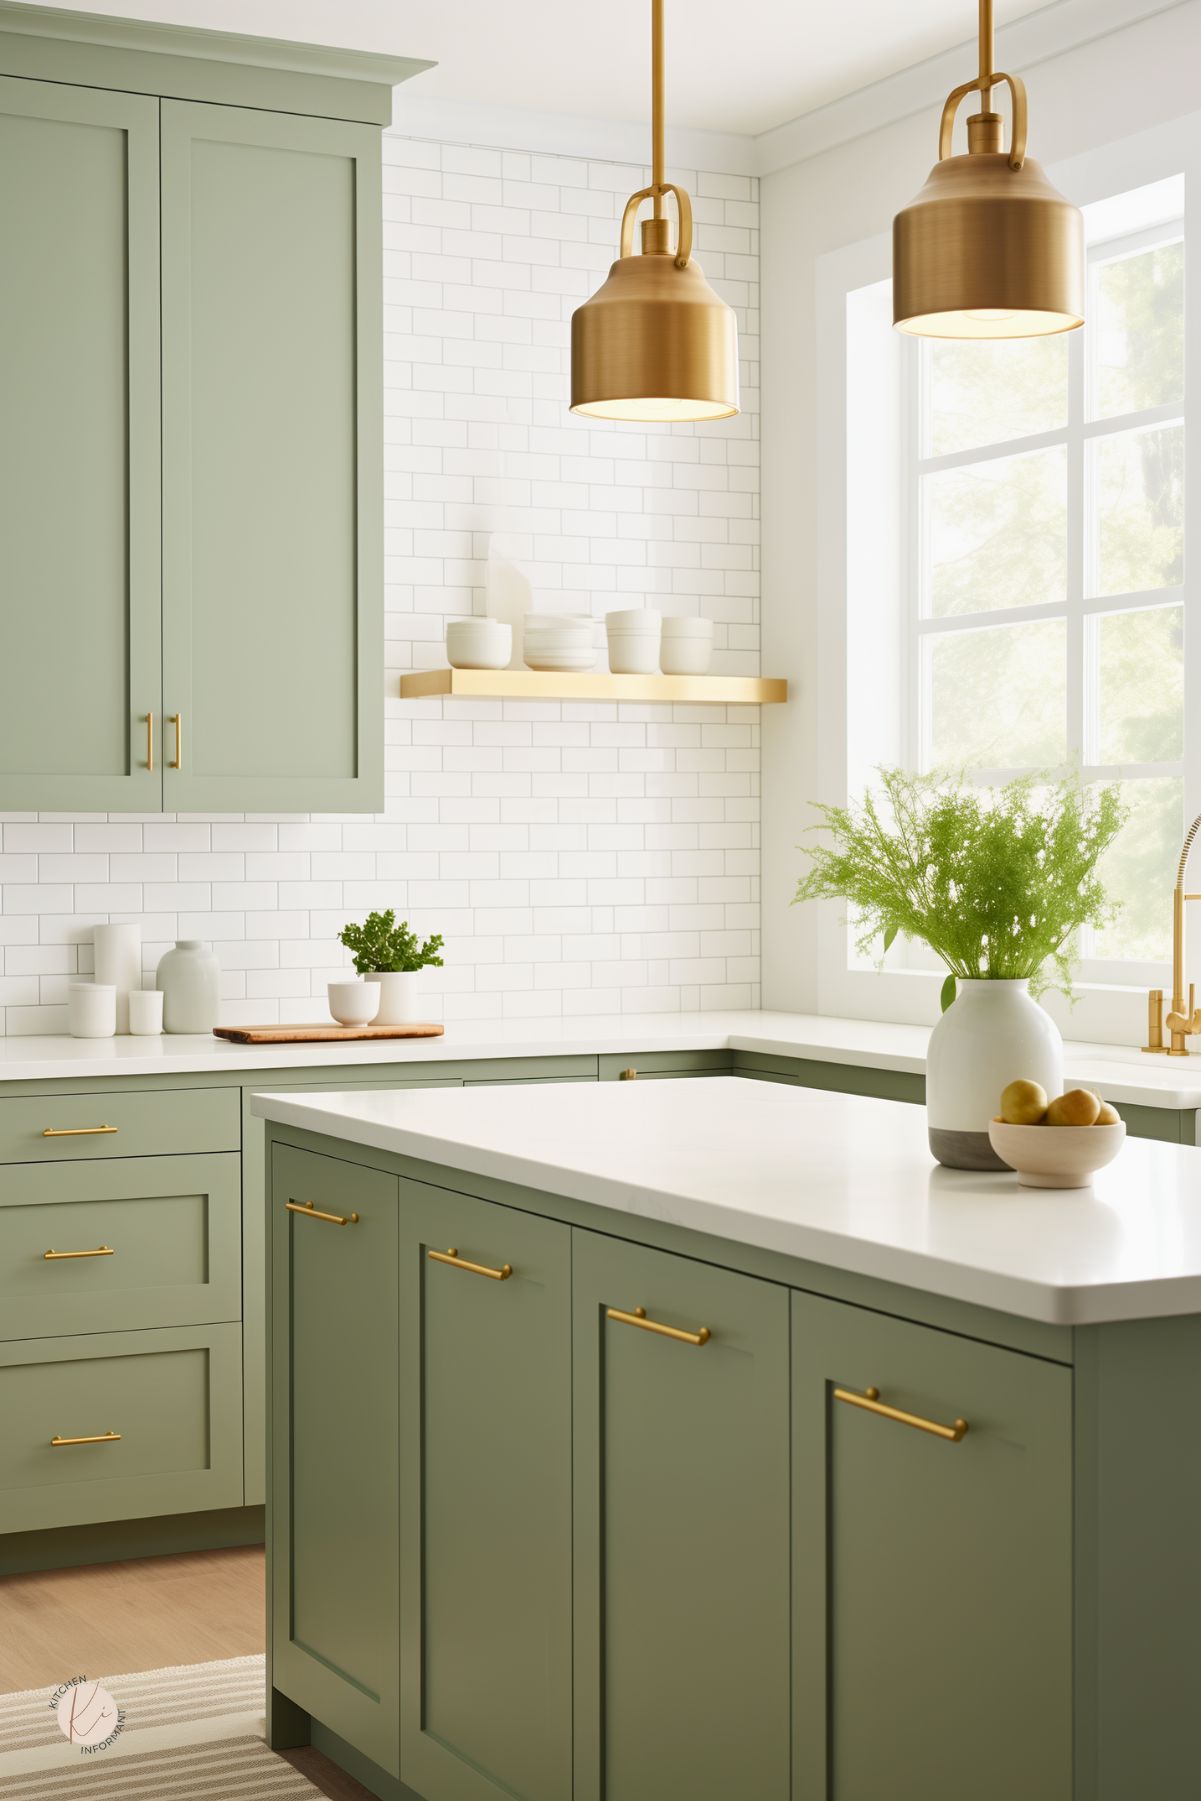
(933, 1578)
(333, 1498)
(682, 1531)
(272, 452)
(486, 1565)
(79, 453)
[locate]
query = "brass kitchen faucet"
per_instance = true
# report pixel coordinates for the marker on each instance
(1182, 1022)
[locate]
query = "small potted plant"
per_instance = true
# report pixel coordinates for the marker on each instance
(392, 955)
(998, 884)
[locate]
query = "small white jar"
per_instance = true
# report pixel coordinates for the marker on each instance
(145, 1012)
(478, 644)
(687, 646)
(634, 635)
(91, 1009)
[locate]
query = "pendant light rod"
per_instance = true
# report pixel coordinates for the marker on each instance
(657, 156)
(986, 55)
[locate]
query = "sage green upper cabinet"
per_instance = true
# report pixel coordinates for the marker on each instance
(79, 450)
(272, 451)
(485, 1500)
(933, 1629)
(682, 1556)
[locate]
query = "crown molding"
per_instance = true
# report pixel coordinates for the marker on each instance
(1062, 26)
(566, 134)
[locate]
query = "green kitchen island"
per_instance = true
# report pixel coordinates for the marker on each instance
(702, 1439)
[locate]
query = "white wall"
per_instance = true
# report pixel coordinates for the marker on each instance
(1115, 86)
(576, 858)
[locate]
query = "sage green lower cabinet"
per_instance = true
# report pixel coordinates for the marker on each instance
(332, 1507)
(682, 1537)
(119, 1425)
(485, 1500)
(933, 1578)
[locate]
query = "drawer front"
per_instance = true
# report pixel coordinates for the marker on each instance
(127, 1243)
(124, 1123)
(161, 1409)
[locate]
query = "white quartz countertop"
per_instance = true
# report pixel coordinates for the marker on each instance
(837, 1179)
(1119, 1072)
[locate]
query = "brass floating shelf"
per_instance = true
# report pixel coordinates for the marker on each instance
(538, 684)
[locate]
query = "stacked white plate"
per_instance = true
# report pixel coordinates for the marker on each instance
(559, 641)
(478, 644)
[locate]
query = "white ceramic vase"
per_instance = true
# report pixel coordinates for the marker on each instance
(992, 1034)
(400, 1000)
(190, 979)
(119, 962)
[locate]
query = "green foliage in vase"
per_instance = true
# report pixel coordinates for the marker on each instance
(380, 945)
(998, 884)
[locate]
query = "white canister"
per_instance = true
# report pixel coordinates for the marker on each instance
(91, 1009)
(190, 979)
(119, 962)
(633, 635)
(146, 1012)
(687, 646)
(399, 1001)
(992, 1034)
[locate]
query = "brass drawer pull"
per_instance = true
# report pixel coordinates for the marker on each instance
(871, 1403)
(150, 740)
(308, 1210)
(94, 1438)
(176, 719)
(628, 1075)
(638, 1318)
(477, 1269)
(76, 1131)
(102, 1250)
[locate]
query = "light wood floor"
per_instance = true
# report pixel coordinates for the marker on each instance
(141, 1615)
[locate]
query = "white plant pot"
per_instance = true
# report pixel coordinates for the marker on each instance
(991, 1034)
(400, 998)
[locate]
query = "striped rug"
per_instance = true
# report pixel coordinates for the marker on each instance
(168, 1697)
(239, 1769)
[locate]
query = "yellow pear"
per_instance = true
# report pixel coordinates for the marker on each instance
(1023, 1104)
(1078, 1107)
(1108, 1116)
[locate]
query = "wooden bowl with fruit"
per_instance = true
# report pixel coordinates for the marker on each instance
(1055, 1144)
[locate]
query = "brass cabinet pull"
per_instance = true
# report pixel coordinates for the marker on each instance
(102, 1250)
(307, 1210)
(76, 1131)
(92, 1438)
(176, 719)
(628, 1075)
(638, 1318)
(150, 740)
(871, 1403)
(477, 1269)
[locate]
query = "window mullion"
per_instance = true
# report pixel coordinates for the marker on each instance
(1081, 689)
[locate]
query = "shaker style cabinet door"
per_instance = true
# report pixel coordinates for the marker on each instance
(272, 458)
(485, 1500)
(333, 1605)
(933, 1574)
(79, 449)
(681, 1529)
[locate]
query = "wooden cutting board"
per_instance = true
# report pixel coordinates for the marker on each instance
(319, 1034)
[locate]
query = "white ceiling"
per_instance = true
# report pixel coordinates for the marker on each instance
(732, 65)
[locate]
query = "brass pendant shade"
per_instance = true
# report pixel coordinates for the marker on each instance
(988, 249)
(655, 342)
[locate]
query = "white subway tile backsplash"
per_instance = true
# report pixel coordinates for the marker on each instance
(577, 857)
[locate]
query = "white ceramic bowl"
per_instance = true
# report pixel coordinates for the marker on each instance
(634, 653)
(1056, 1156)
(562, 642)
(478, 643)
(354, 1003)
(687, 646)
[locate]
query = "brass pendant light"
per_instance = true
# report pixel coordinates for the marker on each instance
(655, 342)
(989, 249)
